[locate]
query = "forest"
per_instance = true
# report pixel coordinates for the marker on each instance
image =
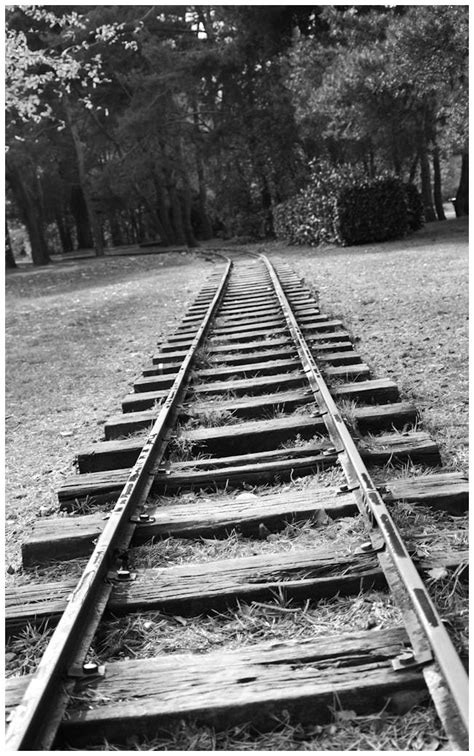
(176, 124)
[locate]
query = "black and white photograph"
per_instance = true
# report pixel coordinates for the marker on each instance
(236, 377)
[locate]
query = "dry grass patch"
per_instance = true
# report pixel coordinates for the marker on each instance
(76, 333)
(406, 301)
(23, 652)
(202, 359)
(140, 636)
(347, 532)
(210, 417)
(301, 443)
(417, 730)
(329, 477)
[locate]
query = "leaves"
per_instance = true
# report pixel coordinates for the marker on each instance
(343, 206)
(345, 715)
(438, 573)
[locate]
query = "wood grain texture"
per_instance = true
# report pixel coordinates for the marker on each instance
(153, 381)
(194, 588)
(202, 587)
(378, 417)
(224, 688)
(444, 491)
(269, 322)
(69, 537)
(257, 467)
(242, 335)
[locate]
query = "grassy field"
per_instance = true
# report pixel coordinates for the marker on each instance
(406, 304)
(77, 334)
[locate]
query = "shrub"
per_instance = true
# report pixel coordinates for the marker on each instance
(309, 216)
(342, 206)
(371, 210)
(416, 215)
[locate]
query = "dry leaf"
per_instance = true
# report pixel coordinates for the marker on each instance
(437, 573)
(345, 715)
(320, 517)
(432, 745)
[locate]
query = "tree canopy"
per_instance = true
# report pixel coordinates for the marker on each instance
(129, 124)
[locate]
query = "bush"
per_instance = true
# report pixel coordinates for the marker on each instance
(372, 210)
(309, 216)
(416, 215)
(342, 206)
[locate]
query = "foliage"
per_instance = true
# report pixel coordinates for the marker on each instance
(386, 90)
(309, 217)
(371, 210)
(414, 202)
(343, 206)
(132, 123)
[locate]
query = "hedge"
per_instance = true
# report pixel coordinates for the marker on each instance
(341, 206)
(416, 215)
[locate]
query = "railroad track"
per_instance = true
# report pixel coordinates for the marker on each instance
(253, 392)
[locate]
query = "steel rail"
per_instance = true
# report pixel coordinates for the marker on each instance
(442, 647)
(35, 720)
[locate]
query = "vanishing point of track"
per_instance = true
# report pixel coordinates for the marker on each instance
(253, 343)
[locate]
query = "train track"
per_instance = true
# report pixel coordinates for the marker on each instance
(247, 391)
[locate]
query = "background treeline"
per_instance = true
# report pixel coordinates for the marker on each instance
(127, 124)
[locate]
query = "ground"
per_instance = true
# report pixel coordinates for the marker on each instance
(78, 333)
(406, 303)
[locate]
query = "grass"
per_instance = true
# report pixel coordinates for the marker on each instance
(406, 302)
(330, 477)
(140, 636)
(202, 359)
(300, 443)
(211, 417)
(76, 337)
(415, 731)
(346, 531)
(348, 409)
(180, 449)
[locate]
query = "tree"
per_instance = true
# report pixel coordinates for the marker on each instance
(9, 258)
(379, 90)
(41, 70)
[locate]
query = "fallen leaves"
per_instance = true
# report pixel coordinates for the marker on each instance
(438, 573)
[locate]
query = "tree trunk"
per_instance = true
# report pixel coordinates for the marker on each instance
(81, 220)
(177, 217)
(426, 192)
(413, 169)
(115, 230)
(155, 221)
(188, 229)
(133, 227)
(81, 168)
(167, 228)
(206, 228)
(396, 160)
(9, 258)
(28, 209)
(64, 233)
(461, 203)
(438, 198)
